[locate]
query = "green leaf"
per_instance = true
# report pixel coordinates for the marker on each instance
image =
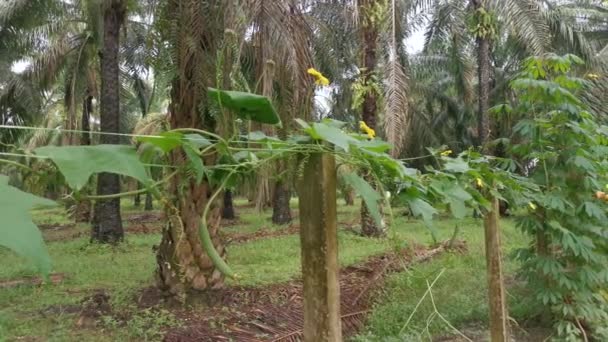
(583, 163)
(374, 145)
(260, 136)
(241, 156)
(367, 193)
(422, 208)
(299, 139)
(456, 165)
(457, 208)
(333, 135)
(457, 197)
(166, 141)
(334, 123)
(78, 163)
(149, 154)
(382, 162)
(196, 163)
(197, 140)
(593, 210)
(247, 106)
(303, 124)
(17, 231)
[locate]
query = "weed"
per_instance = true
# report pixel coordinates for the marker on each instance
(146, 325)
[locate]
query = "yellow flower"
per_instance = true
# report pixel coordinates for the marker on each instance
(479, 182)
(367, 130)
(319, 78)
(446, 153)
(592, 76)
(532, 206)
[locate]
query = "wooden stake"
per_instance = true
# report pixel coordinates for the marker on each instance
(319, 244)
(499, 325)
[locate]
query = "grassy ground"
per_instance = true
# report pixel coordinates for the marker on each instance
(459, 293)
(42, 313)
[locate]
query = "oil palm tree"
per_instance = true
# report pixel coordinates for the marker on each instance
(274, 62)
(64, 43)
(191, 30)
(359, 45)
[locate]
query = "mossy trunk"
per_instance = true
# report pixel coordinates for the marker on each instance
(499, 319)
(319, 247)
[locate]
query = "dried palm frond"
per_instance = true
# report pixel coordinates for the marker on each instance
(151, 124)
(396, 92)
(351, 322)
(396, 105)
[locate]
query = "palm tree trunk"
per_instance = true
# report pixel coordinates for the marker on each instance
(281, 194)
(182, 262)
(82, 213)
(149, 205)
(107, 223)
(349, 196)
(370, 101)
(499, 325)
(137, 198)
(228, 207)
(281, 213)
(483, 60)
(87, 108)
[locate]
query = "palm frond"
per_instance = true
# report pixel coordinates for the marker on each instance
(396, 93)
(525, 19)
(396, 106)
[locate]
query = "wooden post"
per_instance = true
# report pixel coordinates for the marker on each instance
(319, 244)
(499, 325)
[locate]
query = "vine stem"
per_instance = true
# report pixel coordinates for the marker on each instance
(205, 237)
(215, 257)
(200, 131)
(14, 163)
(130, 193)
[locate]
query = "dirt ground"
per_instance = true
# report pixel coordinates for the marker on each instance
(270, 313)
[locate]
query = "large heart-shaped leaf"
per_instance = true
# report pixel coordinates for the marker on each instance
(17, 231)
(78, 163)
(247, 106)
(367, 193)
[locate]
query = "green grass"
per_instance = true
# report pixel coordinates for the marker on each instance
(275, 260)
(51, 216)
(459, 293)
(123, 271)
